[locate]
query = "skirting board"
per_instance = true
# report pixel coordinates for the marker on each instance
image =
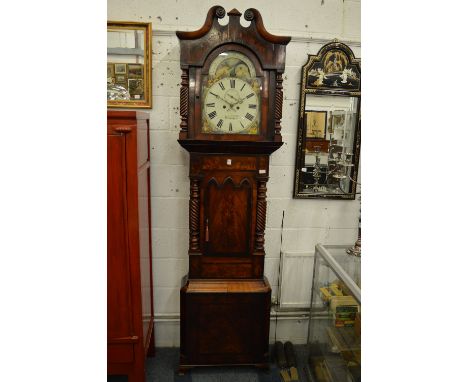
(167, 333)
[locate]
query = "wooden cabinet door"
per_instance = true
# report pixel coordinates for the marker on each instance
(119, 309)
(228, 201)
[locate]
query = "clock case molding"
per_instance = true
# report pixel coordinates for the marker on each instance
(225, 298)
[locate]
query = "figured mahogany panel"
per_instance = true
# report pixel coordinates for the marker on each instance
(236, 311)
(228, 162)
(227, 217)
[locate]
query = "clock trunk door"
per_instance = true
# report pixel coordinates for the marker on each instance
(227, 216)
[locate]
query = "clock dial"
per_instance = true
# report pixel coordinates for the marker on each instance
(231, 107)
(231, 96)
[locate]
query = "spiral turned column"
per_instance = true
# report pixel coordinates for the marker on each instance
(261, 216)
(184, 95)
(278, 104)
(194, 215)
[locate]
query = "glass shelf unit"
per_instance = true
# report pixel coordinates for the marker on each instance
(334, 339)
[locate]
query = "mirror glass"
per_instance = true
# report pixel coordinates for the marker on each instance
(128, 66)
(328, 145)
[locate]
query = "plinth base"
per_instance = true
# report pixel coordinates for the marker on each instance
(224, 323)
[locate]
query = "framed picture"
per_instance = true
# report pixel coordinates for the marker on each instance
(316, 124)
(135, 87)
(120, 69)
(121, 79)
(338, 119)
(129, 64)
(110, 70)
(135, 71)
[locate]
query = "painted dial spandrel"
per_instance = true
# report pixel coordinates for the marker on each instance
(231, 96)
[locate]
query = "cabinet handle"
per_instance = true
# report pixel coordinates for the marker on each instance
(123, 129)
(207, 231)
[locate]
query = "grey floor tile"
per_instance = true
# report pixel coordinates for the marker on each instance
(163, 368)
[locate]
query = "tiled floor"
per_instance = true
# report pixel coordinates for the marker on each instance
(163, 368)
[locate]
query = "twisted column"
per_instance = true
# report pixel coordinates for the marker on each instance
(278, 104)
(261, 216)
(194, 215)
(184, 94)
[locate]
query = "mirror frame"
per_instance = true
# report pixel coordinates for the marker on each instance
(147, 103)
(321, 88)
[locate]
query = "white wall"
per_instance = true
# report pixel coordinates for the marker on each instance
(306, 222)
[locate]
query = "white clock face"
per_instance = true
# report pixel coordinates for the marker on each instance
(231, 107)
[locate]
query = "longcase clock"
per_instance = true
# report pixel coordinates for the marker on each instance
(230, 104)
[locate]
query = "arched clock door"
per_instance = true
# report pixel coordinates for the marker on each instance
(227, 210)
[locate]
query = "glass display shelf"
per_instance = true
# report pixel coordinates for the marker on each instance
(334, 338)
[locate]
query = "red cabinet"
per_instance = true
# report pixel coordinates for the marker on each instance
(130, 333)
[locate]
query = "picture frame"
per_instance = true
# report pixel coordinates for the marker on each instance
(121, 79)
(135, 87)
(110, 70)
(315, 124)
(135, 71)
(129, 49)
(120, 69)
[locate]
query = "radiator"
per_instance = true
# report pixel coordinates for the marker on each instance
(295, 280)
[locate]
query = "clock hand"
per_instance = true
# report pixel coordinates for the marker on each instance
(225, 100)
(221, 98)
(229, 103)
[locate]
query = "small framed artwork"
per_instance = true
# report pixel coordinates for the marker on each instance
(121, 79)
(129, 64)
(110, 70)
(135, 88)
(338, 119)
(120, 69)
(135, 71)
(316, 124)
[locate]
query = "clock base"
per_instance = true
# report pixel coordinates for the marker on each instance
(224, 323)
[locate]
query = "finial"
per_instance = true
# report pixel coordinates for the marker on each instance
(220, 12)
(249, 15)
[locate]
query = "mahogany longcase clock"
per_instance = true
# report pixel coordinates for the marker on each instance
(230, 104)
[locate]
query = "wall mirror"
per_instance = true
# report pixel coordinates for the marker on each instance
(328, 136)
(129, 64)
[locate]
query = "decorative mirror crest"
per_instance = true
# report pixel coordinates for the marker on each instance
(333, 68)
